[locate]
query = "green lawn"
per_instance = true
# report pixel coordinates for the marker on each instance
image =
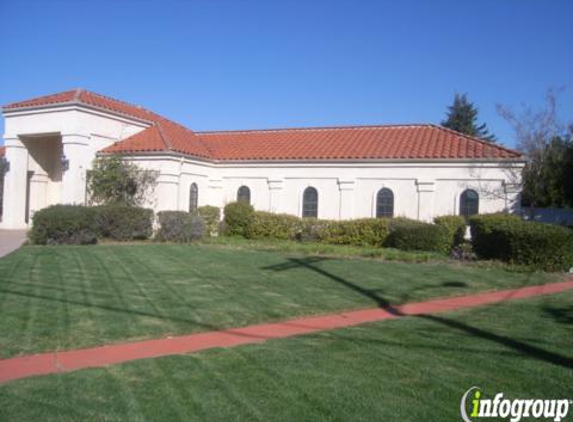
(56, 298)
(411, 369)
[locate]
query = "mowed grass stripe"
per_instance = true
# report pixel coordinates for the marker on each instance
(56, 298)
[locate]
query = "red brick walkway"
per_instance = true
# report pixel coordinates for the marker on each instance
(56, 362)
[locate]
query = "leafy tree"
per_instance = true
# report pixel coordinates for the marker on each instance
(114, 181)
(548, 148)
(462, 116)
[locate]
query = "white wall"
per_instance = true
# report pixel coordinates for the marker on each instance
(422, 190)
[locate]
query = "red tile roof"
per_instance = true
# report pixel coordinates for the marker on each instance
(424, 141)
(2, 151)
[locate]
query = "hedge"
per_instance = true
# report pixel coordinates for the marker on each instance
(360, 232)
(179, 226)
(124, 223)
(212, 217)
(273, 226)
(64, 225)
(542, 246)
(481, 227)
(238, 216)
(410, 235)
(456, 226)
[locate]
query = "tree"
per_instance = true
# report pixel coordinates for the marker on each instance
(548, 148)
(462, 116)
(114, 181)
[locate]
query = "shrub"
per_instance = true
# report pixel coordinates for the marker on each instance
(238, 216)
(212, 218)
(409, 235)
(123, 223)
(311, 229)
(481, 230)
(179, 226)
(361, 232)
(64, 224)
(274, 226)
(542, 246)
(456, 226)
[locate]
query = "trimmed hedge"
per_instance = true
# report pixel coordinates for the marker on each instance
(456, 226)
(238, 217)
(124, 223)
(481, 227)
(543, 246)
(64, 225)
(411, 235)
(179, 226)
(212, 218)
(360, 232)
(273, 226)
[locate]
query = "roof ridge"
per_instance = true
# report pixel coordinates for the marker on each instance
(315, 128)
(475, 138)
(166, 140)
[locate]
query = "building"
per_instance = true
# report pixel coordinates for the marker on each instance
(417, 171)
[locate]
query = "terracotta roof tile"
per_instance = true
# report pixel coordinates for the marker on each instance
(2, 151)
(424, 141)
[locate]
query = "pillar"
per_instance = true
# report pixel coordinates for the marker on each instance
(275, 190)
(346, 205)
(15, 181)
(426, 190)
(76, 151)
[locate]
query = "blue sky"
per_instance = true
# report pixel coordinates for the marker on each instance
(259, 64)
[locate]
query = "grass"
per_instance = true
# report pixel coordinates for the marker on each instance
(323, 249)
(66, 297)
(410, 369)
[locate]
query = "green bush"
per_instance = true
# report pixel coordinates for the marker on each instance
(456, 226)
(123, 223)
(273, 226)
(64, 225)
(361, 232)
(238, 217)
(542, 246)
(481, 227)
(179, 226)
(212, 218)
(410, 235)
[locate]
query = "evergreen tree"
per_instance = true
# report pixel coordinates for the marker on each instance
(462, 116)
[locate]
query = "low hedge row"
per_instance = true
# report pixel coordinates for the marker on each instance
(179, 226)
(543, 246)
(408, 235)
(80, 225)
(212, 217)
(242, 219)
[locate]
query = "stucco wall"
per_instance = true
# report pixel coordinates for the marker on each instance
(422, 190)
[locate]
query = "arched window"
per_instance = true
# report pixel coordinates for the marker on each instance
(193, 197)
(310, 203)
(385, 203)
(469, 203)
(244, 194)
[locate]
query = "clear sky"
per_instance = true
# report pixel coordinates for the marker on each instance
(241, 64)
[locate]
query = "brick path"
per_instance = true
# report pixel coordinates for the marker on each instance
(65, 361)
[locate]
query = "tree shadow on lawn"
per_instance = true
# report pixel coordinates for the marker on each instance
(373, 294)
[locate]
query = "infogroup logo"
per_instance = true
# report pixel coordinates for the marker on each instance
(515, 409)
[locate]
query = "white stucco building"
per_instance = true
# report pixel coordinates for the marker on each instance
(416, 171)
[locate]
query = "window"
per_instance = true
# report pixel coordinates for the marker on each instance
(310, 203)
(385, 203)
(193, 197)
(469, 203)
(244, 194)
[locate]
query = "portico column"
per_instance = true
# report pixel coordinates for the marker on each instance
(426, 189)
(275, 189)
(15, 181)
(77, 155)
(346, 206)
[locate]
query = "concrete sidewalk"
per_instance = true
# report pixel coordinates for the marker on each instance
(10, 240)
